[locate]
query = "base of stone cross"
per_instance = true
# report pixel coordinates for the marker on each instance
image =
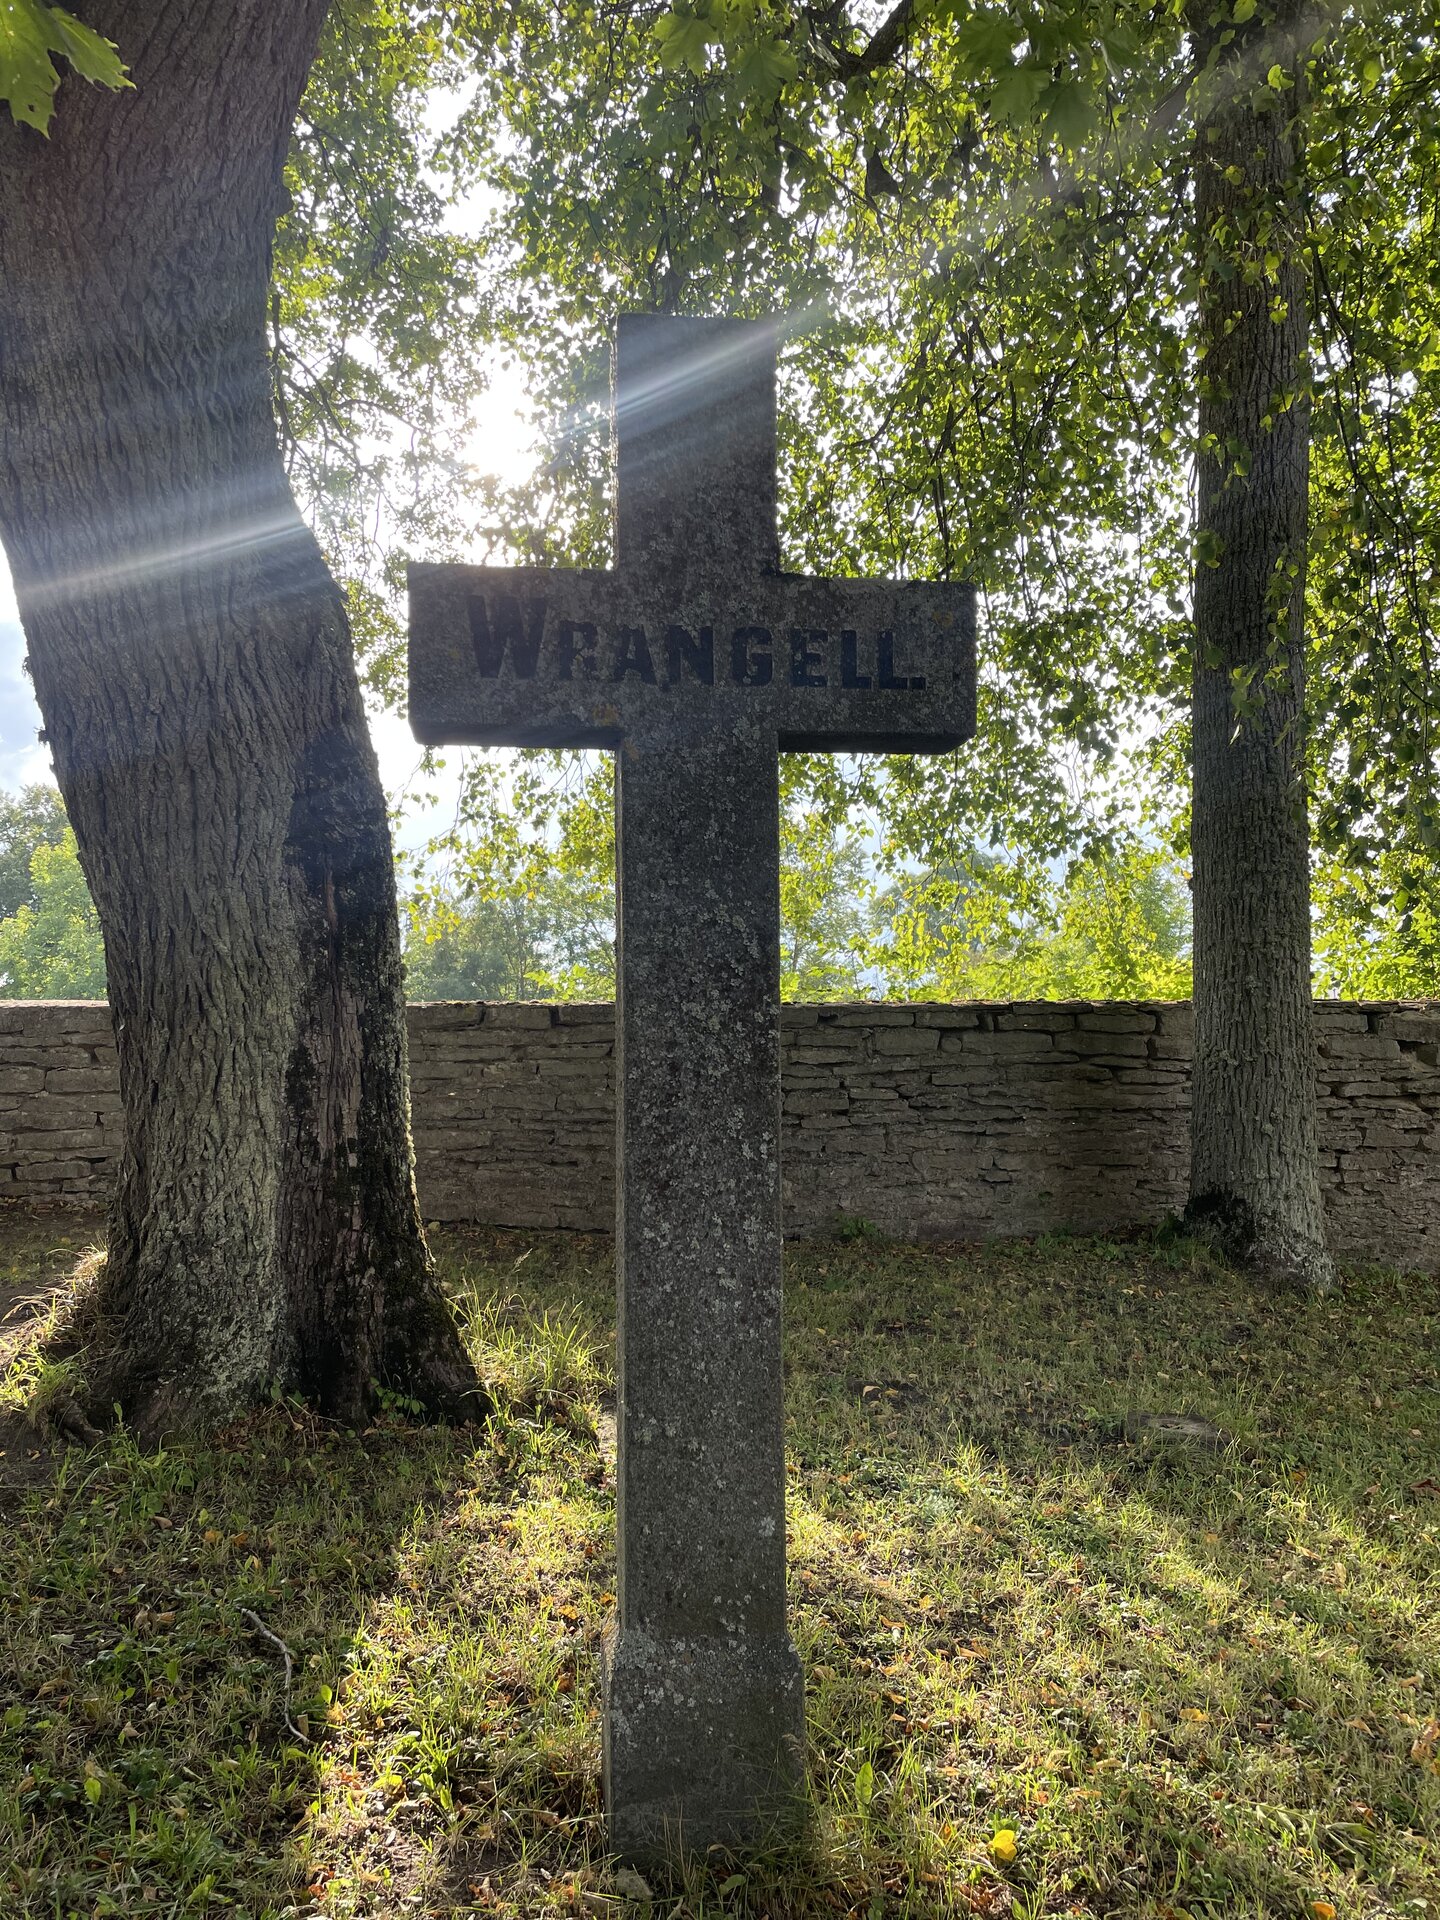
(704, 1744)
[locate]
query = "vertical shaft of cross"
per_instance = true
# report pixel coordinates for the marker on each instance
(695, 487)
(696, 659)
(704, 1705)
(702, 1543)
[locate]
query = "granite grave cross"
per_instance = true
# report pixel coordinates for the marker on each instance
(697, 661)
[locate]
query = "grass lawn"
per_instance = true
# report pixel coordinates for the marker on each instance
(1172, 1681)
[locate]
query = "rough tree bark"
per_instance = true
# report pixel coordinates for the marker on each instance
(1254, 1180)
(193, 664)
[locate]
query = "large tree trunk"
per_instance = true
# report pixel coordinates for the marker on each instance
(193, 664)
(1254, 1176)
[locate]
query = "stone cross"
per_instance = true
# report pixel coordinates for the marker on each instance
(697, 661)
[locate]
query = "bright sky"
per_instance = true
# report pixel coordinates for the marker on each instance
(22, 758)
(502, 445)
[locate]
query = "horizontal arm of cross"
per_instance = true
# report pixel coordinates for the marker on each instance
(528, 656)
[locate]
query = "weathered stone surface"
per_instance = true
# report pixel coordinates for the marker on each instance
(43, 1175)
(79, 1080)
(697, 661)
(591, 658)
(907, 1040)
(704, 1722)
(45, 1110)
(1110, 1044)
(55, 1019)
(46, 1145)
(745, 1709)
(1360, 1046)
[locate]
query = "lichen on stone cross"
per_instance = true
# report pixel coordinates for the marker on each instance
(697, 661)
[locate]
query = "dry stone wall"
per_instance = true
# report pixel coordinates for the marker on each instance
(952, 1122)
(59, 1100)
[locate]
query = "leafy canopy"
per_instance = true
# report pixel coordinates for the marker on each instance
(977, 218)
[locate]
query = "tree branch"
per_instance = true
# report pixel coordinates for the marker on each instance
(882, 47)
(888, 38)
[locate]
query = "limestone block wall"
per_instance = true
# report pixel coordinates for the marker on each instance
(953, 1122)
(513, 1112)
(59, 1100)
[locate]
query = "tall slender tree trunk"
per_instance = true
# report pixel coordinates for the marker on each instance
(1255, 1175)
(193, 664)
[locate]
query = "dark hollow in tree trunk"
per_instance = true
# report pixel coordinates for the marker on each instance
(193, 664)
(1254, 1174)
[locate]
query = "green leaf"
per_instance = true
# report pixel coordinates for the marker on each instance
(1244, 10)
(30, 32)
(1012, 100)
(1069, 113)
(91, 55)
(988, 43)
(682, 41)
(765, 67)
(27, 74)
(1119, 46)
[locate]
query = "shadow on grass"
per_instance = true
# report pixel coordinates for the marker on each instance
(150, 1729)
(1232, 1657)
(1187, 1685)
(439, 1593)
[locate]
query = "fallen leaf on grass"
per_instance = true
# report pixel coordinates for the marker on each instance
(1004, 1846)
